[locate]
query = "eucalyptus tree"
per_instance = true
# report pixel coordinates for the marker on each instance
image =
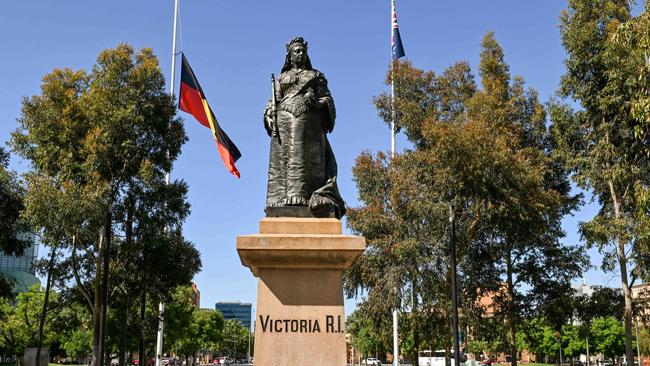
(485, 153)
(605, 142)
(100, 144)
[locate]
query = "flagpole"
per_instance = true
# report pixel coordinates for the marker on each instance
(168, 176)
(392, 155)
(392, 84)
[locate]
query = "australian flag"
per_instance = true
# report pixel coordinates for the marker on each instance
(396, 41)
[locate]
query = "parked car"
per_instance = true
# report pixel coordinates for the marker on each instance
(488, 361)
(226, 361)
(371, 361)
(149, 362)
(438, 358)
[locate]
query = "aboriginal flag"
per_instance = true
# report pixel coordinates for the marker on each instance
(193, 101)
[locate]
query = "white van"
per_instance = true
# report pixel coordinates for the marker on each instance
(437, 358)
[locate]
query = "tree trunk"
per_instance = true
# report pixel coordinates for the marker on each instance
(41, 324)
(108, 231)
(512, 327)
(123, 325)
(414, 304)
(97, 300)
(627, 294)
(143, 301)
(125, 303)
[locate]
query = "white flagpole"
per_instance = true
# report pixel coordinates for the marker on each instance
(161, 305)
(392, 155)
(392, 83)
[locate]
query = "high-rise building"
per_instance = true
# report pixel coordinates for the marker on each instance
(236, 310)
(196, 296)
(583, 289)
(20, 269)
(641, 296)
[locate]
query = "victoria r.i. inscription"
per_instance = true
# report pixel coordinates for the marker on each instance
(330, 324)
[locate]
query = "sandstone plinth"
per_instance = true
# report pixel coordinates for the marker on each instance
(299, 263)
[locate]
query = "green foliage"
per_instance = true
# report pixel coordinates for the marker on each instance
(100, 144)
(19, 321)
(608, 336)
(234, 338)
(604, 143)
(188, 329)
(363, 334)
(603, 302)
(487, 154)
(11, 205)
(179, 313)
(80, 344)
(538, 337)
(73, 324)
(573, 344)
(644, 341)
(478, 347)
(550, 345)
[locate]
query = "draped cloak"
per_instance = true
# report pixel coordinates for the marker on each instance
(302, 167)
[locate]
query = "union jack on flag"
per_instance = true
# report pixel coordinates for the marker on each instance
(396, 40)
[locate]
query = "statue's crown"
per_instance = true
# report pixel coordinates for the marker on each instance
(296, 41)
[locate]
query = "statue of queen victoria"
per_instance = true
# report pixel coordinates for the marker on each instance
(302, 167)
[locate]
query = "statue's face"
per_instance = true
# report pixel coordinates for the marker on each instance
(298, 56)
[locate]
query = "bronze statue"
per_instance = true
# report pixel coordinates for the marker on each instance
(302, 167)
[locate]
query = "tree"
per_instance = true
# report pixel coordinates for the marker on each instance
(205, 330)
(364, 338)
(11, 206)
(80, 344)
(179, 313)
(601, 143)
(100, 144)
(19, 322)
(608, 336)
(644, 341)
(73, 324)
(234, 338)
(573, 344)
(602, 302)
(486, 154)
(550, 345)
(631, 45)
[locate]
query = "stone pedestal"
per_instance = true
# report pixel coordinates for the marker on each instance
(299, 263)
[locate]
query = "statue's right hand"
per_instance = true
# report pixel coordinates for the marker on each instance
(268, 124)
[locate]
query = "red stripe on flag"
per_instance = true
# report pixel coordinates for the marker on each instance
(191, 102)
(227, 159)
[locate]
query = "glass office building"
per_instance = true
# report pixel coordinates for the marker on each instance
(236, 310)
(20, 269)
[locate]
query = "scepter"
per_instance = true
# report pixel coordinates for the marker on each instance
(274, 110)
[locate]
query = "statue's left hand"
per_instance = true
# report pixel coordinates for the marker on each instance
(310, 98)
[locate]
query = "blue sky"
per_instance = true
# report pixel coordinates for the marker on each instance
(233, 46)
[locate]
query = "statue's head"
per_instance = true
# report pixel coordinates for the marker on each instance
(297, 55)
